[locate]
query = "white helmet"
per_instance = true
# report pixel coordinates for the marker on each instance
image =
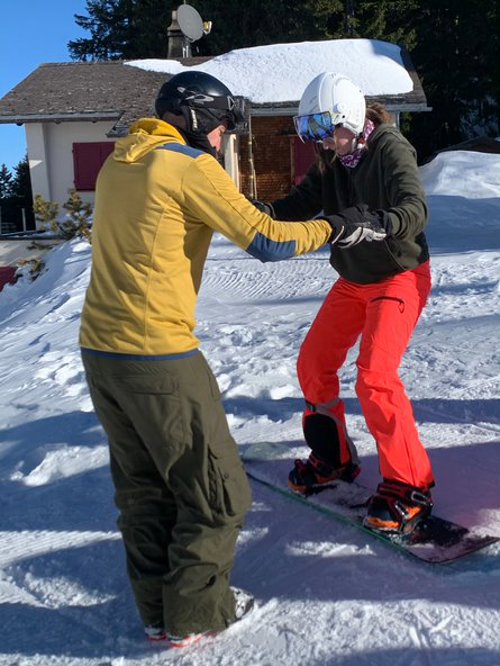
(337, 94)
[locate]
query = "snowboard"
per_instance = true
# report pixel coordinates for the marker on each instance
(435, 540)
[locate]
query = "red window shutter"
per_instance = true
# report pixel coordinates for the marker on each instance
(7, 276)
(88, 158)
(304, 158)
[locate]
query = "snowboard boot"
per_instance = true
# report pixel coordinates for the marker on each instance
(186, 641)
(154, 634)
(397, 508)
(244, 603)
(307, 477)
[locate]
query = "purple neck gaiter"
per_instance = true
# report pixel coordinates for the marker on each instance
(353, 159)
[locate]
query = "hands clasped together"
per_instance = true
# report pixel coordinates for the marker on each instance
(358, 223)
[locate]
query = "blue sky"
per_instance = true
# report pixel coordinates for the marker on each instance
(33, 32)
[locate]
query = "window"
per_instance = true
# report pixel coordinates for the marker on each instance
(88, 158)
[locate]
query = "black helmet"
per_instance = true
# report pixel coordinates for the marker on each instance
(202, 99)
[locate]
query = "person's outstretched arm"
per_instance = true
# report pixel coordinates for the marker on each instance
(212, 198)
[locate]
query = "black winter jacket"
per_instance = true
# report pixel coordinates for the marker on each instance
(386, 179)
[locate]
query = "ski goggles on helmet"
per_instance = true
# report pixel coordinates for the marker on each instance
(314, 127)
(238, 113)
(229, 108)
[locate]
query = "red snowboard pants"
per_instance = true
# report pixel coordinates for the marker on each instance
(384, 314)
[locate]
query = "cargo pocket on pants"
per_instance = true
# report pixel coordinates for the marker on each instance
(156, 404)
(229, 489)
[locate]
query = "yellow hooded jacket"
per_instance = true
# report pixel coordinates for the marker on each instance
(158, 202)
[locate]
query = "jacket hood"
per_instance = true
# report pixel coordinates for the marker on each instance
(145, 135)
(383, 130)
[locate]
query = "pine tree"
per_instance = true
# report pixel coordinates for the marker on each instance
(79, 215)
(46, 213)
(384, 20)
(457, 58)
(239, 24)
(21, 182)
(122, 29)
(5, 182)
(109, 26)
(20, 202)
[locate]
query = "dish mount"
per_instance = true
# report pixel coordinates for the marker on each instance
(192, 27)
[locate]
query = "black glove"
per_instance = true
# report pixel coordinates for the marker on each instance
(262, 206)
(356, 224)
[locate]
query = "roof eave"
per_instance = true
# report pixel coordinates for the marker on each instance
(93, 117)
(289, 109)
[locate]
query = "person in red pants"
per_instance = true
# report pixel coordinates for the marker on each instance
(365, 179)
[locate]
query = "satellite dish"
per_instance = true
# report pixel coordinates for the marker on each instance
(190, 23)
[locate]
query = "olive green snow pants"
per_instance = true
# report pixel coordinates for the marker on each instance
(181, 489)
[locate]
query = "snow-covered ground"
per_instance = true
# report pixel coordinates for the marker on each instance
(327, 593)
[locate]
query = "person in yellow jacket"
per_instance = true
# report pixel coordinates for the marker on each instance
(181, 490)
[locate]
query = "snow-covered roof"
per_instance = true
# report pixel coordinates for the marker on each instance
(280, 72)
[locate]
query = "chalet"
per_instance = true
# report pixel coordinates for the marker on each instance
(73, 113)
